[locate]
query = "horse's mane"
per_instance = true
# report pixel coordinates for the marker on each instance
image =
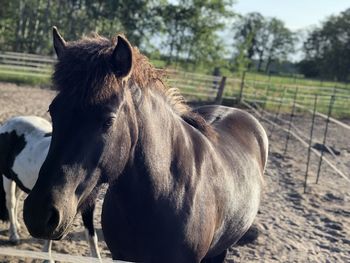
(85, 72)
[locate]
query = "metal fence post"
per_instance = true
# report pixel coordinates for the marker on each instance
(291, 120)
(331, 102)
(277, 112)
(310, 143)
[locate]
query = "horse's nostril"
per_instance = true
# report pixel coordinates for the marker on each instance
(53, 219)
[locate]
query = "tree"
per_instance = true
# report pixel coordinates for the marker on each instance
(247, 29)
(327, 49)
(176, 27)
(264, 39)
(280, 42)
(190, 29)
(25, 25)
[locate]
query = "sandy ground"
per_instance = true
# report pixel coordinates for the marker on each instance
(293, 226)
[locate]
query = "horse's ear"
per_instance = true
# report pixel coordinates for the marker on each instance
(122, 58)
(58, 42)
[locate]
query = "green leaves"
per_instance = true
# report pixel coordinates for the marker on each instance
(327, 49)
(263, 39)
(185, 30)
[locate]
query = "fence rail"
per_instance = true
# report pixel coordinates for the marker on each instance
(193, 84)
(28, 254)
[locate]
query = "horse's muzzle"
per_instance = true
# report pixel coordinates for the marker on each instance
(44, 221)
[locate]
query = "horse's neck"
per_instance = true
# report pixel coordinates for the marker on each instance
(158, 123)
(165, 146)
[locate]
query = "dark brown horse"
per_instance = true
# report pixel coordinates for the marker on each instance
(183, 185)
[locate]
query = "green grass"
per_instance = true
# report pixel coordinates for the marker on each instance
(158, 63)
(265, 88)
(297, 80)
(270, 98)
(25, 77)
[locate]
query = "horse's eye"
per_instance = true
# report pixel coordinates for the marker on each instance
(108, 122)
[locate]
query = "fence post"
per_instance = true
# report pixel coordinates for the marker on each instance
(331, 102)
(263, 106)
(310, 143)
(291, 120)
(277, 112)
(242, 87)
(218, 99)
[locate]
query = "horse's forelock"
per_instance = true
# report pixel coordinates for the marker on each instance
(84, 72)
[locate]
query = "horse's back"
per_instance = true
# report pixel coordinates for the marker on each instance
(26, 125)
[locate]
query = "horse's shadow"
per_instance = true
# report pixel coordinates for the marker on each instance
(80, 235)
(9, 243)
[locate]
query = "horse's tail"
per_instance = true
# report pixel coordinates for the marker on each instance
(4, 215)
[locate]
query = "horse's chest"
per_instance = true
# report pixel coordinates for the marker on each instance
(28, 162)
(138, 233)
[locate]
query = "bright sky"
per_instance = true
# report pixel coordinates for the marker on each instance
(297, 14)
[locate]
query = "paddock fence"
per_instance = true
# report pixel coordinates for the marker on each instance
(205, 87)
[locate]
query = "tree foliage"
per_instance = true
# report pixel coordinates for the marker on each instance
(263, 39)
(327, 49)
(187, 29)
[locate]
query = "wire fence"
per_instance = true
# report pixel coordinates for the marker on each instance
(207, 87)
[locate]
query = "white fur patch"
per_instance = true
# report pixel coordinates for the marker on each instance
(29, 161)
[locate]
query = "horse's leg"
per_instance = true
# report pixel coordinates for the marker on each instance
(18, 195)
(47, 248)
(217, 259)
(10, 190)
(91, 237)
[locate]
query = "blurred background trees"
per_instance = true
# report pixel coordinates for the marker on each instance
(191, 34)
(327, 49)
(262, 40)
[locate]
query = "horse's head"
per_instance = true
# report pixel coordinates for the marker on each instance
(92, 115)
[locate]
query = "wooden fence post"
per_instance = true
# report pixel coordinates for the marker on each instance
(240, 97)
(218, 99)
(310, 143)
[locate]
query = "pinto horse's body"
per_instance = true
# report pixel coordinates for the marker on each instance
(24, 144)
(184, 185)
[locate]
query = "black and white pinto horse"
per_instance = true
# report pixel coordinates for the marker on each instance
(24, 144)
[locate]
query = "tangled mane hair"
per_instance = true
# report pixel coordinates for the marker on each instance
(85, 72)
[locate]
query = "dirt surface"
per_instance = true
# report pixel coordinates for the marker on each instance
(293, 226)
